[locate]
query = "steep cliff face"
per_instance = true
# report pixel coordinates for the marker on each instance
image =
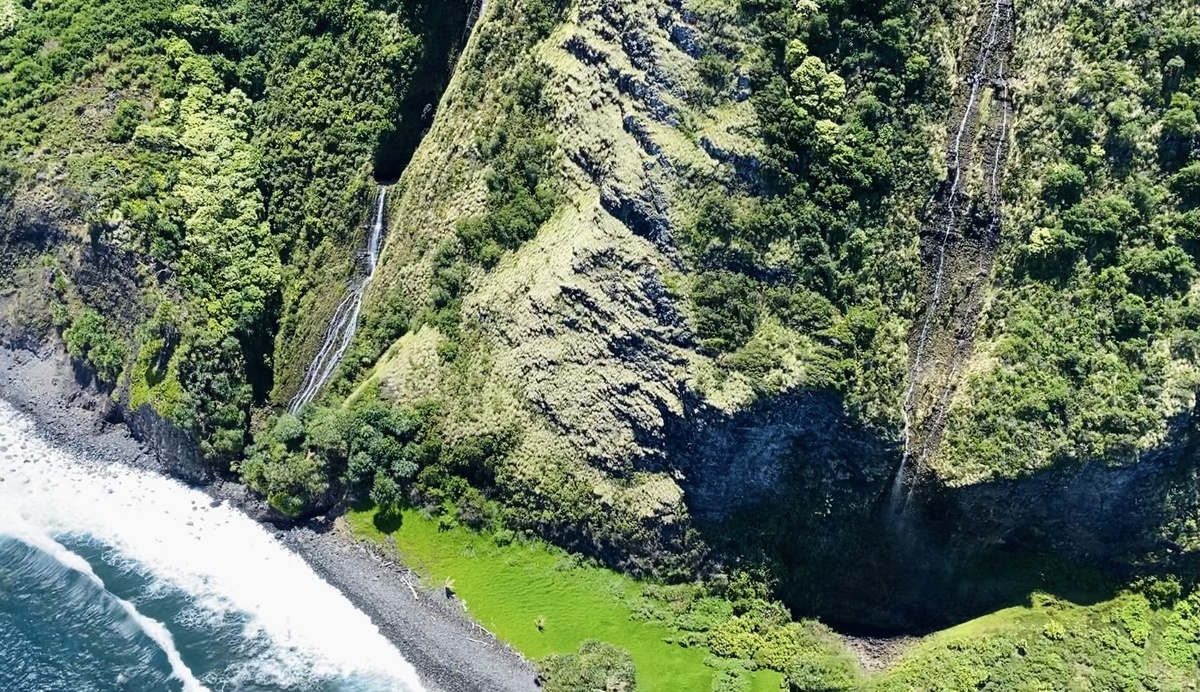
(1076, 408)
(590, 342)
(580, 342)
(181, 186)
(856, 295)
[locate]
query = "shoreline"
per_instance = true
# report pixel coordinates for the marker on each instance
(449, 650)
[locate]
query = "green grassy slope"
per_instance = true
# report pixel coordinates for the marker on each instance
(510, 588)
(1130, 642)
(1144, 638)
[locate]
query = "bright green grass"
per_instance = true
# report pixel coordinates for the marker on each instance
(508, 588)
(1118, 644)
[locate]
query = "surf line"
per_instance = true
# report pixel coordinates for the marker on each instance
(155, 630)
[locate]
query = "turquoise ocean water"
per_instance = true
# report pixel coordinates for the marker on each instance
(115, 579)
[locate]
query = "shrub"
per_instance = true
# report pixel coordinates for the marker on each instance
(447, 522)
(1160, 272)
(817, 672)
(1161, 593)
(781, 646)
(1186, 184)
(737, 637)
(801, 309)
(731, 679)
(1064, 184)
(726, 308)
(90, 339)
(597, 667)
(126, 118)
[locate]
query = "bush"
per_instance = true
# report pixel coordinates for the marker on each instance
(1101, 224)
(801, 309)
(447, 522)
(1064, 184)
(1186, 184)
(598, 667)
(126, 118)
(1160, 272)
(816, 672)
(726, 310)
(737, 637)
(732, 679)
(90, 339)
(1160, 592)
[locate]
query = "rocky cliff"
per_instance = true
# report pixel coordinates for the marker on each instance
(586, 342)
(859, 297)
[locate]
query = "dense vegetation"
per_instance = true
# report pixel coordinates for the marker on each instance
(214, 160)
(843, 93)
(1094, 333)
(224, 150)
(819, 247)
(806, 281)
(726, 636)
(518, 156)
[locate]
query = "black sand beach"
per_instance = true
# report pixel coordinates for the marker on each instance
(451, 652)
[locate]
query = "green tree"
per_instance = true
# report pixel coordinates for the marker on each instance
(727, 309)
(597, 667)
(126, 118)
(91, 339)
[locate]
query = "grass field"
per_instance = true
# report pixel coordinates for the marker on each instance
(508, 588)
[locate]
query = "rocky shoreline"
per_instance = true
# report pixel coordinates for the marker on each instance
(451, 652)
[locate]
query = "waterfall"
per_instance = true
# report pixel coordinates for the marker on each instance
(993, 227)
(954, 156)
(344, 323)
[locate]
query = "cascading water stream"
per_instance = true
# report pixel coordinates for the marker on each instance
(993, 227)
(990, 39)
(344, 323)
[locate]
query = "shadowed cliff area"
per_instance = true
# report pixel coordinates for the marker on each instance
(444, 28)
(807, 505)
(885, 313)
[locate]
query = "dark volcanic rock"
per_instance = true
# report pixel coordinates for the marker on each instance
(175, 450)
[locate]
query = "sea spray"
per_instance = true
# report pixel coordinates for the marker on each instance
(229, 566)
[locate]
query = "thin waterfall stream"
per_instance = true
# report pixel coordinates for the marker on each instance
(344, 323)
(952, 248)
(994, 199)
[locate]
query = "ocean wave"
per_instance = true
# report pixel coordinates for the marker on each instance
(231, 569)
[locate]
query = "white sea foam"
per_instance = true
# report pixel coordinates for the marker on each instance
(226, 562)
(154, 629)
